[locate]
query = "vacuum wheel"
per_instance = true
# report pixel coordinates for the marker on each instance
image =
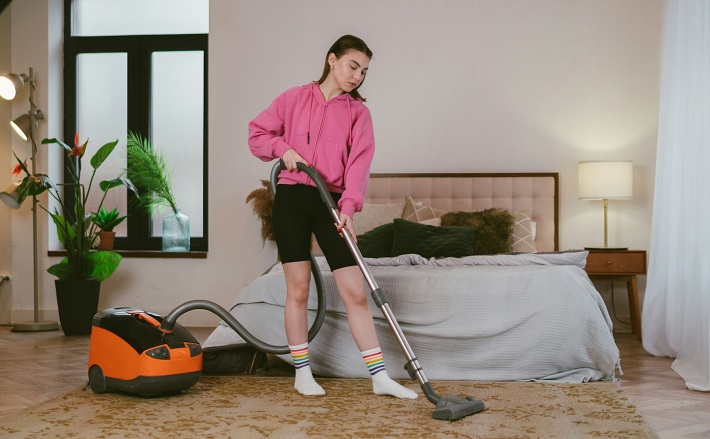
(97, 381)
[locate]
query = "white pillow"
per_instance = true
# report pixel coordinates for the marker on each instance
(523, 238)
(417, 212)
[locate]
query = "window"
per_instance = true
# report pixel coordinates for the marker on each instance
(141, 65)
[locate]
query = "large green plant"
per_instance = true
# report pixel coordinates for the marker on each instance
(75, 228)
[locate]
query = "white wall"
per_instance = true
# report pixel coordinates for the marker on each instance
(454, 86)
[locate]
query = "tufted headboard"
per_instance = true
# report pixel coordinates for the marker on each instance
(533, 193)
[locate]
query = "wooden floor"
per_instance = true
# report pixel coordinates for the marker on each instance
(35, 367)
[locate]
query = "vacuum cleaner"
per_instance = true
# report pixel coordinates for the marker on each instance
(143, 353)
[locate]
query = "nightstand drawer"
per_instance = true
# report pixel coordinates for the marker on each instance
(613, 262)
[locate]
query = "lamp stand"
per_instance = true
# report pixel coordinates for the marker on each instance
(606, 246)
(36, 325)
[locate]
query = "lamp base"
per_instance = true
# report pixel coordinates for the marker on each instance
(42, 325)
(606, 248)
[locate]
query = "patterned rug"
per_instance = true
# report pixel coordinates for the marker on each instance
(258, 407)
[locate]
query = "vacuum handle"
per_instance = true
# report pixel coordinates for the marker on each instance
(313, 174)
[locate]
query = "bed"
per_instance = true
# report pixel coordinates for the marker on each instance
(528, 313)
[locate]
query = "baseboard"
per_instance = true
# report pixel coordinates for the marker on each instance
(28, 314)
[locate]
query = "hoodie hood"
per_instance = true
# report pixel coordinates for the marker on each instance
(334, 136)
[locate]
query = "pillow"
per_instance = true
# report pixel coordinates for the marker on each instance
(432, 222)
(374, 214)
(431, 241)
(377, 243)
(494, 229)
(523, 238)
(418, 212)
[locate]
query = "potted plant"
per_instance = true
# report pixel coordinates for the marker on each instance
(106, 221)
(80, 273)
(147, 168)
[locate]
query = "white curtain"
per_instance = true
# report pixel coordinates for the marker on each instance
(676, 311)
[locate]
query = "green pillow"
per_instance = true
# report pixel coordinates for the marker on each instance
(377, 243)
(494, 229)
(431, 241)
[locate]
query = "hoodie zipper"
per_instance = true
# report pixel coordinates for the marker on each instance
(348, 143)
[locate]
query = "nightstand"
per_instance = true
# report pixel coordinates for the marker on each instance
(620, 265)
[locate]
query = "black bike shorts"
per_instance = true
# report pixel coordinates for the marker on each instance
(299, 212)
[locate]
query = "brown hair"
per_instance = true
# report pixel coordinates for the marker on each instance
(341, 46)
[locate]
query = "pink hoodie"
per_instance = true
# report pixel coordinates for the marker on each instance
(336, 137)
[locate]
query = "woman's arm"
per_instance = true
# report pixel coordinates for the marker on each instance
(266, 131)
(357, 168)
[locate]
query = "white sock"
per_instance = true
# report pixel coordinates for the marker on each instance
(305, 384)
(382, 384)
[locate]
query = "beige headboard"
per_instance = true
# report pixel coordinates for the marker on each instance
(533, 193)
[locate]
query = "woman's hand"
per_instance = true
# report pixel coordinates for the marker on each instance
(291, 159)
(347, 222)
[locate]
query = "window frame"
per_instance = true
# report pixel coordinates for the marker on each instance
(139, 50)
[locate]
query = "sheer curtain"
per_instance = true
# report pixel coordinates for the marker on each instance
(676, 311)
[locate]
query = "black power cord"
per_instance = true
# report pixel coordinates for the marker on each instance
(613, 306)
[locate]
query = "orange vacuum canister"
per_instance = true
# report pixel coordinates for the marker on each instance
(129, 352)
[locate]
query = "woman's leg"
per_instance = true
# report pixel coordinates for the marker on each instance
(352, 291)
(298, 280)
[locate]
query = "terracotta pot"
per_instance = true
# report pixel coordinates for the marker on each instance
(106, 240)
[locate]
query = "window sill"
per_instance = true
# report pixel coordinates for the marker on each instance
(147, 254)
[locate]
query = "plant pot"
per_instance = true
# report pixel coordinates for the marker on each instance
(176, 233)
(78, 302)
(106, 240)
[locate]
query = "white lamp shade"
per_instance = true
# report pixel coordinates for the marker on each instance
(606, 180)
(10, 85)
(9, 196)
(22, 126)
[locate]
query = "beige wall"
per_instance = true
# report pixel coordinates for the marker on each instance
(454, 86)
(5, 177)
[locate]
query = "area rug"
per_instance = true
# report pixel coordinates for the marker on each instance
(260, 407)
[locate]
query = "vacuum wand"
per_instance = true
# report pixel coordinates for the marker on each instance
(449, 407)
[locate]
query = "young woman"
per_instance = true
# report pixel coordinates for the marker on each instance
(326, 125)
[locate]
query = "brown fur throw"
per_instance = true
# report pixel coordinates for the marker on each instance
(493, 229)
(262, 200)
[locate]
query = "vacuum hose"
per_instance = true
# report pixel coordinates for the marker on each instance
(169, 320)
(448, 407)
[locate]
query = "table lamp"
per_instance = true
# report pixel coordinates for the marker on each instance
(606, 180)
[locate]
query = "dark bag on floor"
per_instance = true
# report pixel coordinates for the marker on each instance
(231, 360)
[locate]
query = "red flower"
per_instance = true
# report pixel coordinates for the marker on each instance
(17, 169)
(78, 150)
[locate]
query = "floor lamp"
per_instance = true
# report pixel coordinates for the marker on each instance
(10, 85)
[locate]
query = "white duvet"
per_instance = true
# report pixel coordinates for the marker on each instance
(501, 318)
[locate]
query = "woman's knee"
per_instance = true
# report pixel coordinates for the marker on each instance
(354, 297)
(298, 280)
(298, 292)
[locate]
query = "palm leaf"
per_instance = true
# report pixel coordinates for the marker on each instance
(147, 169)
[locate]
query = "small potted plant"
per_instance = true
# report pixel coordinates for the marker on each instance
(106, 221)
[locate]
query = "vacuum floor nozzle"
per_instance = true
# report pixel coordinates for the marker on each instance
(452, 408)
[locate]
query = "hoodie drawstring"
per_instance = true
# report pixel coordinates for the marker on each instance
(322, 120)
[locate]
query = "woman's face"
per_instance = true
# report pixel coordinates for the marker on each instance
(349, 70)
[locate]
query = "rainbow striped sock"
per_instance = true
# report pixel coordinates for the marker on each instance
(300, 355)
(373, 360)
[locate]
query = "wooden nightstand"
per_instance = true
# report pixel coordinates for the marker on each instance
(622, 265)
